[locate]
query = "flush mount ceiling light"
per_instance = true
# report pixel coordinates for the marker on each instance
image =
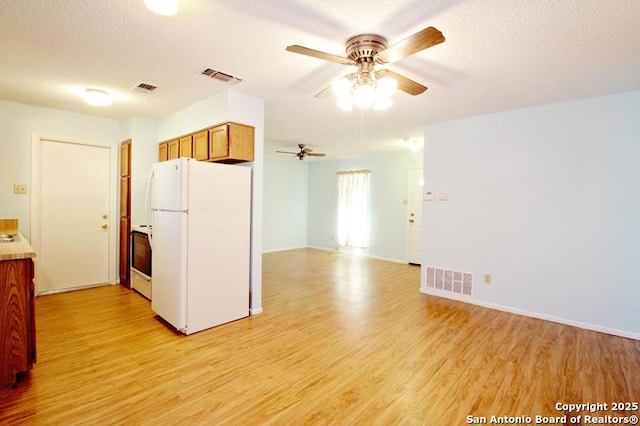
(97, 97)
(162, 7)
(414, 145)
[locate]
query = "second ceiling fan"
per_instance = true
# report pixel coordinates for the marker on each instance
(304, 152)
(368, 50)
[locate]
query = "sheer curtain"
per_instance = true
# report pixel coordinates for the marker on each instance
(353, 208)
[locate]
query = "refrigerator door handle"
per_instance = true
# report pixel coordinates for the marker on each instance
(148, 209)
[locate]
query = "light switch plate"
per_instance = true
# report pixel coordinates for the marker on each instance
(428, 195)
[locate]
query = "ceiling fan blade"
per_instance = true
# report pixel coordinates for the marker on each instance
(405, 84)
(410, 45)
(316, 154)
(287, 152)
(324, 93)
(328, 91)
(318, 54)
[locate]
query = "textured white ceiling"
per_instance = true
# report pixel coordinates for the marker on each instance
(498, 55)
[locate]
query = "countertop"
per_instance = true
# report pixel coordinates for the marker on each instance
(18, 249)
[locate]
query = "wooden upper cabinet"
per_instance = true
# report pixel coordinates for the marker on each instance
(173, 149)
(201, 145)
(231, 143)
(224, 143)
(186, 146)
(163, 151)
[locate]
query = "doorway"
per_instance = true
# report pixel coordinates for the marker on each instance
(72, 217)
(414, 213)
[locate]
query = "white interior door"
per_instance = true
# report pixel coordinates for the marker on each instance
(414, 212)
(73, 222)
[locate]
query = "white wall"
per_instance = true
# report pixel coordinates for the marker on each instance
(18, 124)
(285, 203)
(144, 152)
(546, 200)
(388, 211)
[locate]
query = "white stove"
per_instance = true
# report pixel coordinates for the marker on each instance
(141, 260)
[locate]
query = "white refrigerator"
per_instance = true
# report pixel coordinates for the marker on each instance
(200, 241)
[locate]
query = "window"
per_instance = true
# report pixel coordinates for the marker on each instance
(353, 208)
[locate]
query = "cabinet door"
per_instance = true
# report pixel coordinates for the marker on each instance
(173, 149)
(218, 142)
(186, 148)
(201, 145)
(163, 151)
(31, 308)
(241, 142)
(15, 329)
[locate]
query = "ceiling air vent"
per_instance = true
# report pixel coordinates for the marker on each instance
(144, 87)
(219, 75)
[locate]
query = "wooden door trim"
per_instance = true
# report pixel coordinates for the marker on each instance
(34, 225)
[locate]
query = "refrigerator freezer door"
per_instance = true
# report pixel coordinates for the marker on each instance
(218, 244)
(170, 185)
(169, 289)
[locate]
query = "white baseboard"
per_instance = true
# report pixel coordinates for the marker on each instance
(255, 311)
(282, 249)
(552, 318)
(338, 250)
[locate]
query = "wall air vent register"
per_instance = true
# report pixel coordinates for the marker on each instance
(450, 281)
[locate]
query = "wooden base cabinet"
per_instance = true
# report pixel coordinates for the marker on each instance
(17, 320)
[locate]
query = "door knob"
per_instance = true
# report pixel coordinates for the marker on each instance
(105, 226)
(411, 220)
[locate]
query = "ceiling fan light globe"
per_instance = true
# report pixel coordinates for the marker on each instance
(383, 104)
(387, 86)
(364, 96)
(345, 104)
(162, 7)
(342, 87)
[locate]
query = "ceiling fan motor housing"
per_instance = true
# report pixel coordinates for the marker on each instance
(364, 47)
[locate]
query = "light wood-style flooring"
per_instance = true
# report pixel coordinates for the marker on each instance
(343, 340)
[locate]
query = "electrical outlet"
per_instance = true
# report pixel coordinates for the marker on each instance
(19, 189)
(487, 278)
